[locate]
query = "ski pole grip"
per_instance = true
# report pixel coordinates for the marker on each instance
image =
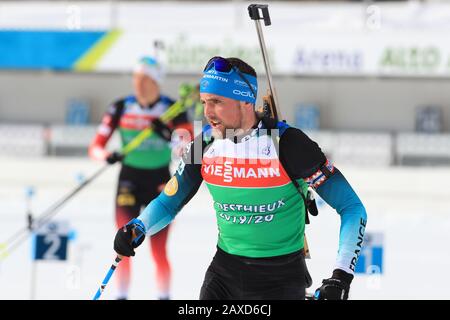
(254, 12)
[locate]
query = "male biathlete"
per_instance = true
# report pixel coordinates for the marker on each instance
(248, 164)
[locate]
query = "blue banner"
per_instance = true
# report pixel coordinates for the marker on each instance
(58, 50)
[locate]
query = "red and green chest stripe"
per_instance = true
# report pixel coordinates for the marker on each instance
(154, 152)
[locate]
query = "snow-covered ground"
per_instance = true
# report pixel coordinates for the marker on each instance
(410, 206)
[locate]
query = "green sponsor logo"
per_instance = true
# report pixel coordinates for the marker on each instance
(184, 55)
(410, 59)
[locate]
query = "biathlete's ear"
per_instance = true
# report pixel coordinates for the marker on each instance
(246, 104)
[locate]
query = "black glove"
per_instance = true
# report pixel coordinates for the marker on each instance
(335, 288)
(114, 157)
(128, 237)
(162, 130)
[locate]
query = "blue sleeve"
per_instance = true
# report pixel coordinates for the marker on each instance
(338, 193)
(178, 191)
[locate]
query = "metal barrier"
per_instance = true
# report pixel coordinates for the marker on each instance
(422, 149)
(347, 148)
(356, 148)
(74, 140)
(23, 140)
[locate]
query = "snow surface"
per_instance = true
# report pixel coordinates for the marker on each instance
(410, 206)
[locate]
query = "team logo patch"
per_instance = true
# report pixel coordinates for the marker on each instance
(171, 187)
(266, 150)
(126, 200)
(181, 166)
(204, 84)
(319, 177)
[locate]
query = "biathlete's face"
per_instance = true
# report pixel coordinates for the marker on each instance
(145, 88)
(222, 113)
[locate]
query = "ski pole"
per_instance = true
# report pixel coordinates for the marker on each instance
(13, 242)
(171, 113)
(107, 277)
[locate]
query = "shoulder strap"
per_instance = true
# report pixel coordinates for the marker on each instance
(120, 106)
(307, 201)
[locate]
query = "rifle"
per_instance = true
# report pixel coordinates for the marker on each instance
(270, 107)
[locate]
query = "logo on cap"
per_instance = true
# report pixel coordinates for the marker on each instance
(204, 83)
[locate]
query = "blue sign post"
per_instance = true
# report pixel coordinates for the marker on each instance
(371, 258)
(307, 117)
(50, 242)
(77, 112)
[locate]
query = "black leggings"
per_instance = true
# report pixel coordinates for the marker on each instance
(231, 277)
(136, 188)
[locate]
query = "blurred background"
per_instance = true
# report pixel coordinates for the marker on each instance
(367, 80)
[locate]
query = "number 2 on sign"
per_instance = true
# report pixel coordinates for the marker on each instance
(55, 243)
